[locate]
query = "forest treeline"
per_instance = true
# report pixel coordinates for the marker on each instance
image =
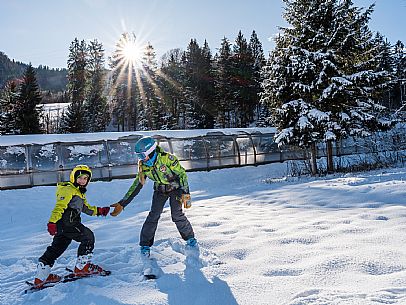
(328, 78)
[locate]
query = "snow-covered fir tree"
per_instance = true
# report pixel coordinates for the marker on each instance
(320, 81)
(258, 57)
(223, 90)
(208, 105)
(171, 77)
(150, 98)
(8, 101)
(399, 89)
(198, 86)
(74, 118)
(96, 109)
(264, 116)
(27, 111)
(384, 62)
(243, 82)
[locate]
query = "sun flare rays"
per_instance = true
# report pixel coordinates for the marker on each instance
(136, 78)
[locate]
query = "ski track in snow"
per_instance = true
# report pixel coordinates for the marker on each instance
(311, 241)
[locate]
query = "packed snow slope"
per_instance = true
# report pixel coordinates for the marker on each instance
(262, 240)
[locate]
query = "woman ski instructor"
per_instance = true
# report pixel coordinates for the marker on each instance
(170, 182)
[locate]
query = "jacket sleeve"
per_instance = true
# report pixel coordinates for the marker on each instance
(179, 171)
(89, 209)
(132, 192)
(63, 197)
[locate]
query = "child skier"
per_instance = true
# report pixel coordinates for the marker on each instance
(65, 225)
(170, 181)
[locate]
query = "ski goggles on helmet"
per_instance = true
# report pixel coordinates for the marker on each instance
(149, 153)
(142, 156)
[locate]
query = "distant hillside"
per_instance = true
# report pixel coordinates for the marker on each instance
(48, 79)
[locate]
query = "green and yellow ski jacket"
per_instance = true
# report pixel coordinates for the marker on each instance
(167, 174)
(70, 202)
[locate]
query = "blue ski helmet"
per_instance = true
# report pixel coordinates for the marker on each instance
(146, 147)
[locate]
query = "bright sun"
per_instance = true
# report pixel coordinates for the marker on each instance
(132, 52)
(130, 64)
(129, 51)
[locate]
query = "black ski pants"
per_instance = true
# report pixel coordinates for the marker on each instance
(178, 217)
(62, 240)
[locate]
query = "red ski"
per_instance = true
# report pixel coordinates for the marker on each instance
(71, 277)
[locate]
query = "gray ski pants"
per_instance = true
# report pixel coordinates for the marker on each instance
(151, 223)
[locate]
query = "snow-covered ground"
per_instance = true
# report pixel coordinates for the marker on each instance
(332, 240)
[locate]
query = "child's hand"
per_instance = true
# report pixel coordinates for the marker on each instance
(103, 211)
(52, 230)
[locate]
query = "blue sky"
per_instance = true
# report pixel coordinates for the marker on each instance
(41, 31)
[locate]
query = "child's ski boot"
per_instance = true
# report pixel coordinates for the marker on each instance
(45, 276)
(84, 267)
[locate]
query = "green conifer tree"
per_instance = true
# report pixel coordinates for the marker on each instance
(172, 79)
(96, 109)
(257, 55)
(223, 81)
(384, 62)
(151, 98)
(243, 77)
(8, 102)
(27, 112)
(192, 60)
(321, 79)
(75, 118)
(199, 86)
(399, 89)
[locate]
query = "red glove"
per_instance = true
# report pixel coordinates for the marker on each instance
(103, 211)
(52, 228)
